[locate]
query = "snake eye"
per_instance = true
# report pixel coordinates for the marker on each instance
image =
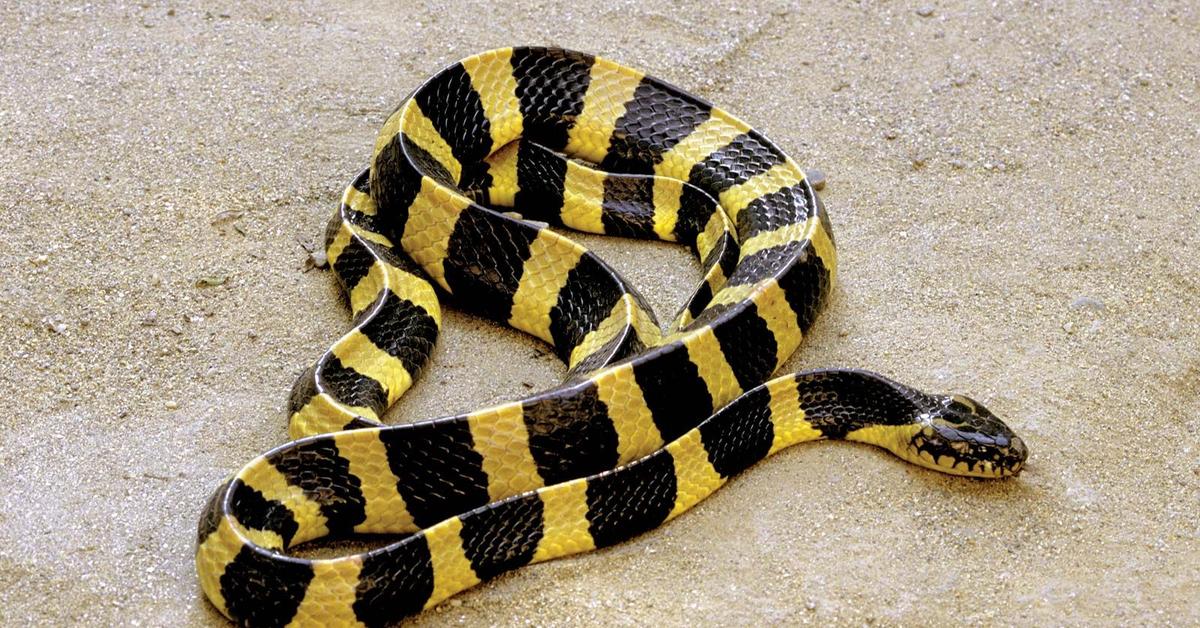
(962, 403)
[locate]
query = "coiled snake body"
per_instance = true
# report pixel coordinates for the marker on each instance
(646, 424)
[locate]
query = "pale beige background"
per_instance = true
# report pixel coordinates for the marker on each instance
(988, 167)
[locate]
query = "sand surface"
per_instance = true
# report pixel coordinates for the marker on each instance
(1014, 189)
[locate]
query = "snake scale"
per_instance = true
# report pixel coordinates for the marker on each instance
(646, 424)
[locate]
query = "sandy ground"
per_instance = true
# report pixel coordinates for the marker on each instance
(1015, 195)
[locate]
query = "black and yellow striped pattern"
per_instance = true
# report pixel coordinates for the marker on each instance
(631, 438)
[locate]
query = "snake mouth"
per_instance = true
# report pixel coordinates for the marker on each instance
(968, 453)
(1006, 462)
(987, 469)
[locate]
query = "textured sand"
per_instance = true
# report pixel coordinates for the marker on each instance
(989, 167)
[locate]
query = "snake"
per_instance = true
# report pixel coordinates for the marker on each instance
(472, 179)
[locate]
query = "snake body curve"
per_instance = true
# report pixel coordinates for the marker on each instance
(646, 424)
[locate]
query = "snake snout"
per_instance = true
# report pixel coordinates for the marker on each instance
(1018, 452)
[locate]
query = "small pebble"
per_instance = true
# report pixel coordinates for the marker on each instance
(816, 178)
(150, 319)
(172, 405)
(958, 164)
(318, 259)
(925, 11)
(1069, 327)
(55, 325)
(891, 134)
(212, 281)
(1087, 303)
(40, 260)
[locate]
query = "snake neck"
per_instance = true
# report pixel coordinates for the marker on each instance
(841, 403)
(949, 433)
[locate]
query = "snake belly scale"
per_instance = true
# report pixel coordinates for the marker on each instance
(465, 177)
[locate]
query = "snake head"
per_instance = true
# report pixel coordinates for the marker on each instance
(960, 436)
